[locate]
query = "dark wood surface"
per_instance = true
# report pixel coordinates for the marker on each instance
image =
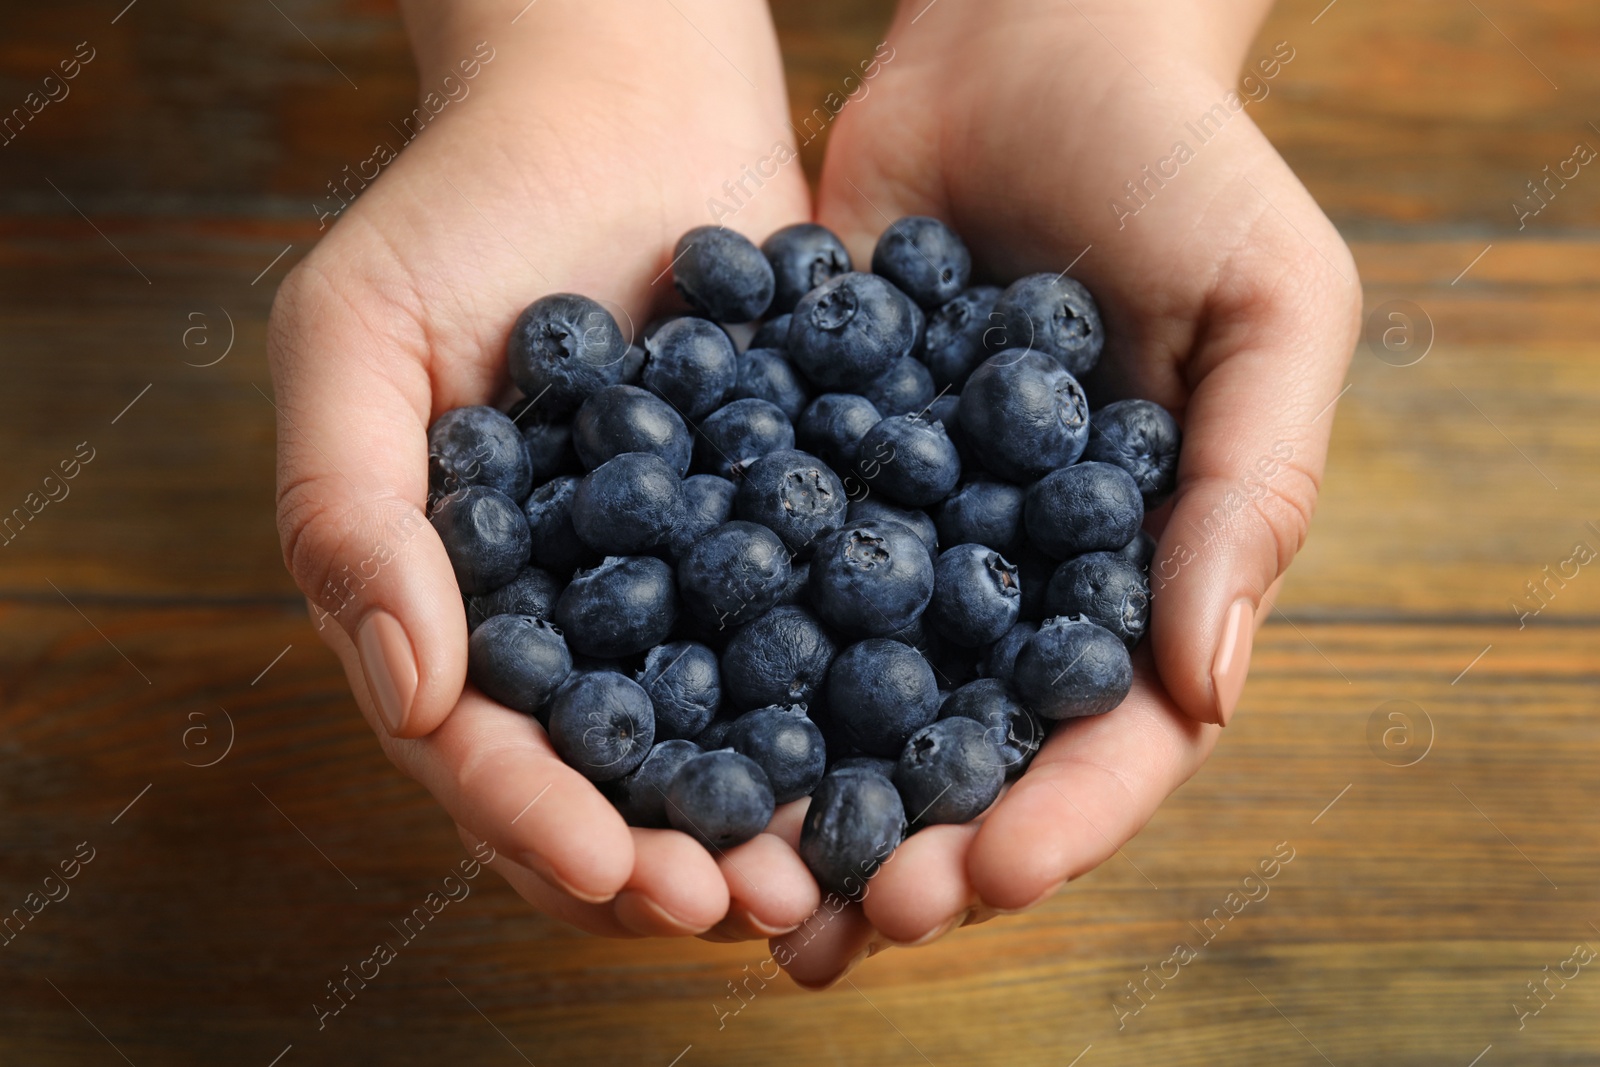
(142, 617)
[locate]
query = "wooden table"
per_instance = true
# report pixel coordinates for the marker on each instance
(145, 619)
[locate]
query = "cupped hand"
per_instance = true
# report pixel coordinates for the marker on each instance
(1227, 297)
(583, 147)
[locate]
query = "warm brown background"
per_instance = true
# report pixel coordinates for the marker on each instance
(1414, 913)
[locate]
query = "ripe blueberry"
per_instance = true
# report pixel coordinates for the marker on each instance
(721, 274)
(854, 823)
(630, 503)
(691, 365)
(765, 375)
(786, 745)
(1072, 667)
(976, 598)
(803, 256)
(910, 460)
(849, 330)
(531, 592)
(737, 434)
(619, 608)
(904, 389)
(1088, 507)
(477, 446)
(949, 772)
(880, 692)
(556, 544)
(601, 724)
(485, 536)
(795, 496)
(518, 661)
(984, 511)
(707, 504)
(563, 348)
(924, 258)
(1053, 314)
(1142, 439)
(720, 799)
(641, 797)
(871, 578)
(1015, 731)
(1104, 588)
(625, 418)
(953, 344)
(833, 425)
(733, 573)
(1024, 415)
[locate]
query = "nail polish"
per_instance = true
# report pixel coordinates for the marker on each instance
(390, 668)
(1232, 662)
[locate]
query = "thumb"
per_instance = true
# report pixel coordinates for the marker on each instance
(352, 488)
(1255, 440)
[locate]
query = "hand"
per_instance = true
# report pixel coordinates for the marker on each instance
(589, 141)
(1227, 297)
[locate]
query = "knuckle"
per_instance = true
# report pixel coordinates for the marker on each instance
(1284, 506)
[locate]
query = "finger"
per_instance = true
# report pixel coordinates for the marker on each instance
(1093, 785)
(675, 890)
(494, 771)
(597, 919)
(788, 819)
(770, 891)
(923, 891)
(1267, 370)
(828, 945)
(351, 494)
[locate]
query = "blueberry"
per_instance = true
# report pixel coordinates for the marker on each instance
(1000, 661)
(781, 657)
(685, 687)
(871, 578)
(906, 387)
(949, 772)
(765, 375)
(947, 409)
(983, 511)
(715, 735)
(563, 348)
(641, 797)
(602, 725)
(621, 607)
(880, 692)
(691, 365)
(485, 536)
(1072, 667)
(833, 425)
(737, 434)
(882, 766)
(854, 823)
(1025, 415)
(625, 418)
(953, 344)
(787, 747)
(549, 444)
(795, 496)
(1141, 551)
(721, 274)
(803, 256)
(910, 460)
(733, 573)
(976, 597)
(707, 504)
(797, 592)
(633, 362)
(557, 546)
(477, 446)
(518, 661)
(630, 503)
(1088, 507)
(1014, 730)
(849, 330)
(531, 592)
(1142, 439)
(772, 334)
(924, 258)
(919, 325)
(1034, 569)
(720, 799)
(913, 519)
(1053, 314)
(1104, 588)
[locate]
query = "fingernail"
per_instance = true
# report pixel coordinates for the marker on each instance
(390, 668)
(1232, 662)
(766, 929)
(537, 864)
(855, 961)
(644, 916)
(1035, 902)
(939, 931)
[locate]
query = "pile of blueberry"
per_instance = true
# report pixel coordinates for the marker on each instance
(864, 560)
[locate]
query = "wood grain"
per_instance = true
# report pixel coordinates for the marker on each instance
(145, 619)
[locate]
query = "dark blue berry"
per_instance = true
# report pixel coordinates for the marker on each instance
(556, 544)
(720, 799)
(953, 345)
(882, 766)
(924, 258)
(1024, 415)
(624, 606)
(518, 660)
(1034, 569)
(601, 724)
(477, 446)
(833, 425)
(531, 592)
(795, 496)
(949, 772)
(854, 823)
(803, 256)
(549, 443)
(641, 797)
(691, 365)
(1014, 730)
(625, 418)
(1142, 439)
(773, 334)
(707, 504)
(685, 686)
(796, 592)
(914, 519)
(737, 434)
(1088, 507)
(871, 578)
(765, 375)
(1141, 551)
(786, 745)
(562, 349)
(1072, 667)
(721, 274)
(1000, 661)
(849, 330)
(733, 573)
(983, 511)
(1104, 588)
(976, 597)
(780, 658)
(485, 536)
(904, 389)
(630, 503)
(1053, 314)
(880, 692)
(947, 409)
(910, 460)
